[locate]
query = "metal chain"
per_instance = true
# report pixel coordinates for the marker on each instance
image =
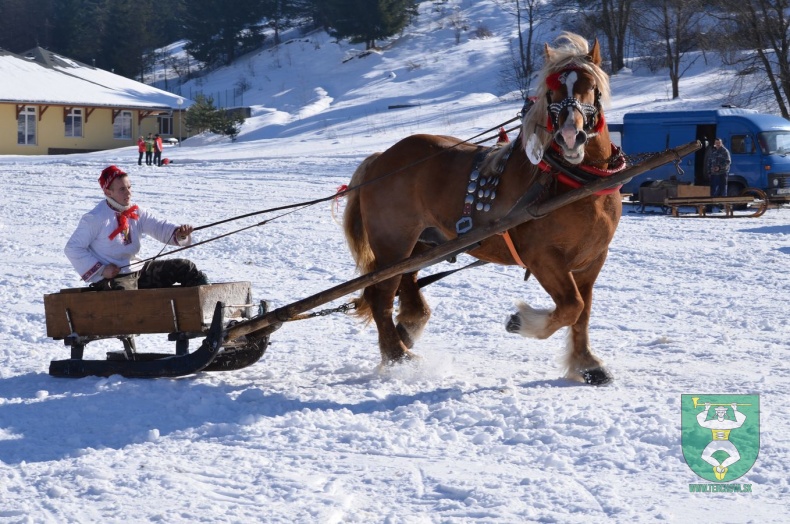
(642, 157)
(344, 308)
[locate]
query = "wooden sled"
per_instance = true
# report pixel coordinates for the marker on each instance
(80, 316)
(752, 199)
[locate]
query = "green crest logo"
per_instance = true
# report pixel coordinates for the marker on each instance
(720, 434)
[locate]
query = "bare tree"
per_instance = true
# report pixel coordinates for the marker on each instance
(670, 31)
(608, 20)
(757, 32)
(459, 25)
(525, 63)
(615, 17)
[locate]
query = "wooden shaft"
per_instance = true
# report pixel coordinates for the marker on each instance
(517, 215)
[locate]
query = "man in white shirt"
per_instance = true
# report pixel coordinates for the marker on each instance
(103, 249)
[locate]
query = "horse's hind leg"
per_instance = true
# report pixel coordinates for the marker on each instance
(381, 298)
(413, 313)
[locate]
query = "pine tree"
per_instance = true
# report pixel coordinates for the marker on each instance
(25, 24)
(365, 20)
(218, 32)
(203, 116)
(79, 29)
(280, 13)
(126, 37)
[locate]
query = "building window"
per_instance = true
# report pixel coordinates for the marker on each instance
(122, 126)
(166, 125)
(26, 126)
(74, 123)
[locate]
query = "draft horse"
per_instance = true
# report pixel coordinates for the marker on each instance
(427, 189)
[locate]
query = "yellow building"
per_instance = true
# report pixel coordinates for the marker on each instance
(50, 104)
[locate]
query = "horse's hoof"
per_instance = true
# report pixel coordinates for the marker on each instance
(391, 362)
(513, 323)
(597, 377)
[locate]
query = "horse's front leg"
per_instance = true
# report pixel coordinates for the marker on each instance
(581, 362)
(572, 308)
(568, 304)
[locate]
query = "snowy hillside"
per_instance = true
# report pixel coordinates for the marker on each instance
(314, 86)
(484, 428)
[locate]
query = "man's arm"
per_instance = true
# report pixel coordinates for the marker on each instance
(79, 253)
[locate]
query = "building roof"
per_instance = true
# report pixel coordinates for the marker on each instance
(44, 77)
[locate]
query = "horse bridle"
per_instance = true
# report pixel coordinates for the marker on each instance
(590, 112)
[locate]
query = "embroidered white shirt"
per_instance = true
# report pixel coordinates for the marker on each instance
(90, 248)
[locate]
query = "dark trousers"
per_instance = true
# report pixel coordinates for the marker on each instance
(140, 158)
(148, 157)
(157, 158)
(157, 274)
(718, 185)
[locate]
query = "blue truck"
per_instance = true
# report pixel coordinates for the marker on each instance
(759, 145)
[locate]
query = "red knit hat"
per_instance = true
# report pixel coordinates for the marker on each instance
(109, 175)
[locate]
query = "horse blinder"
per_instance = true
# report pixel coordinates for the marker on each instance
(590, 112)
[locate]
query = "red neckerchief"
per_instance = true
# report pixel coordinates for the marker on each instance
(123, 220)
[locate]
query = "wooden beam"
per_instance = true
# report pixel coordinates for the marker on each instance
(41, 111)
(88, 111)
(142, 114)
(519, 214)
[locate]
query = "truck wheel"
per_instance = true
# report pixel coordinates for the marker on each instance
(734, 189)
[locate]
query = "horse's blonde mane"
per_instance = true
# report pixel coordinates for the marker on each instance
(570, 53)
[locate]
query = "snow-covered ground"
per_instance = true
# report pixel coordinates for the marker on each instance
(482, 429)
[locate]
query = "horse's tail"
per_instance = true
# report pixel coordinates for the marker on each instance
(356, 235)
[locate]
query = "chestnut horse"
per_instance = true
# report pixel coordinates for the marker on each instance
(427, 189)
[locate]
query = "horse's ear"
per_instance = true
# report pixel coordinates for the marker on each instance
(547, 52)
(595, 54)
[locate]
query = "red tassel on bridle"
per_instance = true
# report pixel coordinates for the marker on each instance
(339, 193)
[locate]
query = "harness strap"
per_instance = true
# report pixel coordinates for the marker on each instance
(577, 176)
(509, 242)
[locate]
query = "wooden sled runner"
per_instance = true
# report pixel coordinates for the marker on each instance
(80, 316)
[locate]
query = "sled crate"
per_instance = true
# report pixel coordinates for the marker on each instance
(163, 310)
(655, 196)
(688, 191)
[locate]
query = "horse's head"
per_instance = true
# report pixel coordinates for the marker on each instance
(571, 96)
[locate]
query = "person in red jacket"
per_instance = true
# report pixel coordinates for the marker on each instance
(158, 150)
(140, 149)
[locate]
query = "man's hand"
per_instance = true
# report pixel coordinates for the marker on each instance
(184, 231)
(707, 406)
(110, 271)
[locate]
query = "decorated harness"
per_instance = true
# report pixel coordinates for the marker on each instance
(481, 189)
